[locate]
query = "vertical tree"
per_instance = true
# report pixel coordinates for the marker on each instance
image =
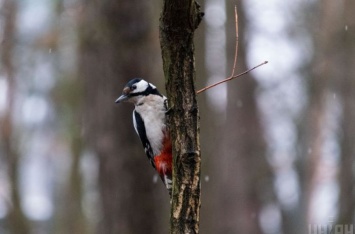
(327, 63)
(331, 73)
(318, 88)
(115, 46)
(71, 218)
(345, 63)
(17, 222)
(68, 99)
(245, 176)
(178, 22)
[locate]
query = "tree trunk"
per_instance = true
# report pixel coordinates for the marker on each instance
(178, 22)
(16, 220)
(316, 124)
(347, 70)
(245, 175)
(115, 47)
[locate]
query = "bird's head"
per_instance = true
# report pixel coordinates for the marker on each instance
(135, 89)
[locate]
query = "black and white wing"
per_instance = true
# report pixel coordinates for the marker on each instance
(140, 129)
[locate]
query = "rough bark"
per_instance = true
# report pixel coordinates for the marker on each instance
(178, 22)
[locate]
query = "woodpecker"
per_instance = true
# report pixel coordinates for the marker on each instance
(149, 121)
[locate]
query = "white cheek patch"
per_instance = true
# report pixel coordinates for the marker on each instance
(141, 86)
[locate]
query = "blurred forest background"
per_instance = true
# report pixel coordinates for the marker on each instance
(278, 145)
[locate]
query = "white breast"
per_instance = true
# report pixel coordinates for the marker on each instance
(152, 110)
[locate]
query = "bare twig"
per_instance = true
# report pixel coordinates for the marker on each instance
(236, 41)
(231, 78)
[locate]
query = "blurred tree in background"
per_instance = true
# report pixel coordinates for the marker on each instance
(277, 144)
(16, 222)
(116, 44)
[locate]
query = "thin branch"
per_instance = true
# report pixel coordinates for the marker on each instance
(230, 78)
(236, 41)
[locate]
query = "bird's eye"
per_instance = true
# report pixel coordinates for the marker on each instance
(134, 87)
